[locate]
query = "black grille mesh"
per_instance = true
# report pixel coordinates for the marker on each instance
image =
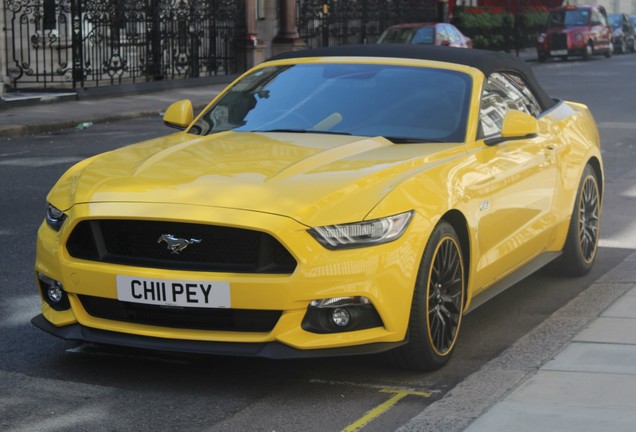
(239, 320)
(559, 41)
(136, 243)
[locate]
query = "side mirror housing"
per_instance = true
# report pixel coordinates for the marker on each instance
(516, 125)
(179, 115)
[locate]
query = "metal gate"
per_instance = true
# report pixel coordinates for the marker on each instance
(324, 23)
(85, 43)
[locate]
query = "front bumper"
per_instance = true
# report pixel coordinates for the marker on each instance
(385, 274)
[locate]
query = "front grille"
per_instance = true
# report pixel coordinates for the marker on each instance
(221, 249)
(238, 320)
(559, 41)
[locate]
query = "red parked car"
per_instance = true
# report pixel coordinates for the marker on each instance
(443, 34)
(576, 30)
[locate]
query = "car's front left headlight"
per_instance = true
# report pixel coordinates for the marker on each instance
(54, 217)
(361, 234)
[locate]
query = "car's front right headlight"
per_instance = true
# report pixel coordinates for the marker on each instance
(54, 217)
(361, 234)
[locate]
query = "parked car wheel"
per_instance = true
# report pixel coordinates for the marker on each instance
(438, 303)
(589, 51)
(582, 241)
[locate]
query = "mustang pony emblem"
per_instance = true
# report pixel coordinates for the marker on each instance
(176, 244)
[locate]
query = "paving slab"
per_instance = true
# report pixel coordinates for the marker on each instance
(523, 417)
(595, 358)
(624, 307)
(565, 401)
(610, 331)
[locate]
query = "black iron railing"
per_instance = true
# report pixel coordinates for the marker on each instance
(84, 43)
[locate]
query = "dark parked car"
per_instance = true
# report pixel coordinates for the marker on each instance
(576, 30)
(623, 32)
(426, 33)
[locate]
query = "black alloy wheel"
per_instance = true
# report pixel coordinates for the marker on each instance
(438, 304)
(581, 245)
(445, 288)
(588, 220)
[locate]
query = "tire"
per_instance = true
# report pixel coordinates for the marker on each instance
(581, 245)
(589, 51)
(438, 304)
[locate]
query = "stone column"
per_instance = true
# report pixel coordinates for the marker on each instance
(255, 48)
(287, 38)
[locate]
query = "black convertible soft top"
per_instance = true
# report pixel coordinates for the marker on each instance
(486, 61)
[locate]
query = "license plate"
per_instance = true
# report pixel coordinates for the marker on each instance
(559, 52)
(164, 292)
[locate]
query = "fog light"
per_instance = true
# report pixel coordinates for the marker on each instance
(53, 293)
(340, 314)
(341, 317)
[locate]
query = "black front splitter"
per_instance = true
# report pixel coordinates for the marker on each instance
(271, 350)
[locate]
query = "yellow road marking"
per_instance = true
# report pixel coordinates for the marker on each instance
(376, 412)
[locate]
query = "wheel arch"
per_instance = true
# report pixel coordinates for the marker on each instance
(460, 224)
(596, 166)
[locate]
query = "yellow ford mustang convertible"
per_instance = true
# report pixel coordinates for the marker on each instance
(334, 201)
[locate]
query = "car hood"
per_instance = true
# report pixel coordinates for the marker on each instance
(303, 176)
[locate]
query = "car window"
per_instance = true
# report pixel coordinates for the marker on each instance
(502, 92)
(598, 18)
(410, 103)
(569, 18)
(397, 35)
(424, 35)
(441, 34)
(452, 32)
(615, 21)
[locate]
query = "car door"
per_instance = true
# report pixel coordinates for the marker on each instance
(514, 224)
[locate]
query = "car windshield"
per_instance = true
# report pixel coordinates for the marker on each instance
(397, 35)
(569, 18)
(615, 21)
(403, 104)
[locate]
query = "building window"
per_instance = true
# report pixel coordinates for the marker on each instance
(260, 9)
